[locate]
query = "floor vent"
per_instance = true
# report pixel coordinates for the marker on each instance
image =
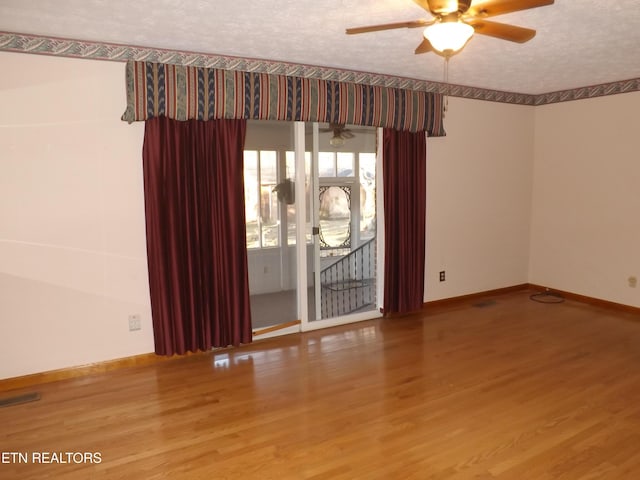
(485, 303)
(18, 399)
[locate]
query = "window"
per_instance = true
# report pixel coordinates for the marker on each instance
(290, 168)
(335, 164)
(327, 164)
(261, 202)
(344, 162)
(272, 223)
(367, 164)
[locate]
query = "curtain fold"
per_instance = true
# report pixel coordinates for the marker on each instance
(195, 221)
(404, 186)
(181, 93)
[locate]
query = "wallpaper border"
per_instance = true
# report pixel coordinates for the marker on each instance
(43, 45)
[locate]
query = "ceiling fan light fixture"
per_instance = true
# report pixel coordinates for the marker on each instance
(336, 141)
(448, 38)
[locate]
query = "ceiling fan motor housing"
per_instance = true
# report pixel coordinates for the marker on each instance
(444, 7)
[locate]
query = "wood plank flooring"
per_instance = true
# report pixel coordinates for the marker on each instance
(512, 390)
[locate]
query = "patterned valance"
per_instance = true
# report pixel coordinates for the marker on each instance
(182, 93)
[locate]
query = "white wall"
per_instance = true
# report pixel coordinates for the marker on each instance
(479, 199)
(271, 271)
(586, 209)
(72, 234)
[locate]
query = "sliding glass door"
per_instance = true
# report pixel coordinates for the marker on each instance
(311, 212)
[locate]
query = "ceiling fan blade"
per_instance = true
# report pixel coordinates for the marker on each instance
(502, 30)
(491, 8)
(390, 26)
(347, 134)
(424, 47)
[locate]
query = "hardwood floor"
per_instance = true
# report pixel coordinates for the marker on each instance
(510, 390)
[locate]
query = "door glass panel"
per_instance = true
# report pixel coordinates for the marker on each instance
(269, 207)
(346, 248)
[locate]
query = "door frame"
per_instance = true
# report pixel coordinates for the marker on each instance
(302, 249)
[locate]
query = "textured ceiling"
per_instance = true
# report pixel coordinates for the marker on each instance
(579, 42)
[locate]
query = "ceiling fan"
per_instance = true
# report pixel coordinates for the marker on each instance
(455, 21)
(340, 134)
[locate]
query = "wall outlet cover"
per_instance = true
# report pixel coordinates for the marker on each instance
(134, 322)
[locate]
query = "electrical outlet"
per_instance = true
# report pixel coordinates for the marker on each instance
(633, 281)
(442, 276)
(134, 322)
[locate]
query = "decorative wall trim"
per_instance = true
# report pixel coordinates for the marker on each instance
(613, 88)
(23, 43)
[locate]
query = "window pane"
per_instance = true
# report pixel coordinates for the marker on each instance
(367, 195)
(290, 173)
(327, 164)
(251, 198)
(269, 207)
(367, 164)
(345, 164)
(291, 211)
(290, 164)
(307, 191)
(269, 198)
(268, 168)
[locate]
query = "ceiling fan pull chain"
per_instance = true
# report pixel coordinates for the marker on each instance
(446, 83)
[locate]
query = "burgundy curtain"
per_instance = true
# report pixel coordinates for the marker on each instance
(195, 219)
(404, 177)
